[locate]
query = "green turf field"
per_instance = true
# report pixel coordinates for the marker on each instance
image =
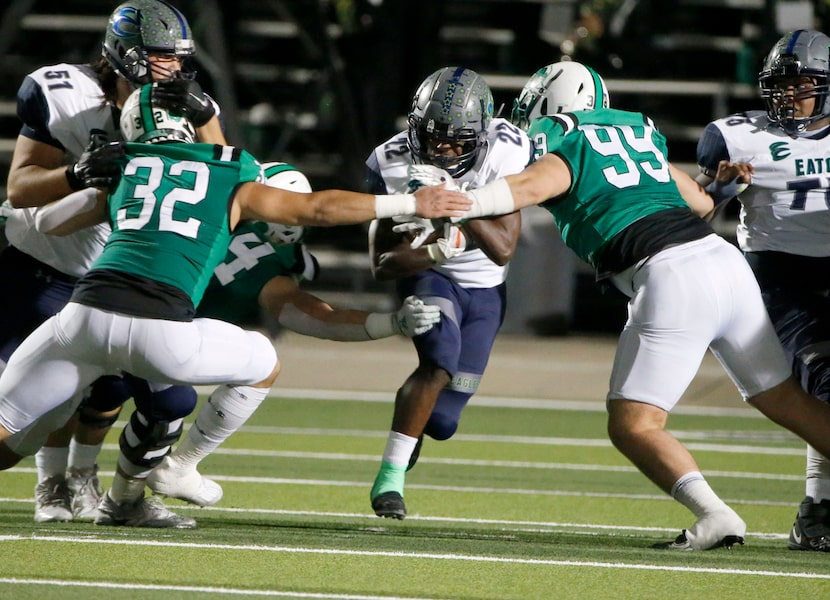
(522, 503)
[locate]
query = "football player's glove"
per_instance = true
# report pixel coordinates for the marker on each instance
(184, 97)
(414, 317)
(98, 166)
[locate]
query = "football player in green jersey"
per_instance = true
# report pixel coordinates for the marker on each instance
(621, 206)
(172, 214)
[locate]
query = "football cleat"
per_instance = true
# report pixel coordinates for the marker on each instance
(810, 530)
(52, 503)
(720, 529)
(168, 479)
(144, 512)
(86, 492)
(389, 505)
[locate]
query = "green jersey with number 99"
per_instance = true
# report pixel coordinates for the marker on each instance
(620, 174)
(169, 213)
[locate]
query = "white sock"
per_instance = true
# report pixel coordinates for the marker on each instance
(51, 461)
(399, 448)
(817, 484)
(693, 492)
(225, 411)
(83, 456)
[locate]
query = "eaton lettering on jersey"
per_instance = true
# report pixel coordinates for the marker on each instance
(786, 208)
(812, 166)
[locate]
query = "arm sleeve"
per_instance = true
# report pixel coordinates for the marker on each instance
(711, 149)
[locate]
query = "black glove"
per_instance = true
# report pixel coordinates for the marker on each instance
(183, 97)
(99, 166)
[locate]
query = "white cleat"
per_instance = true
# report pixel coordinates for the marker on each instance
(86, 492)
(52, 503)
(184, 483)
(723, 528)
(144, 512)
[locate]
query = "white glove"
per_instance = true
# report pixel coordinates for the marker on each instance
(426, 175)
(414, 317)
(451, 245)
(422, 228)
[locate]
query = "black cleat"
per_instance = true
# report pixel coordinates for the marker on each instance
(682, 543)
(389, 505)
(810, 530)
(415, 453)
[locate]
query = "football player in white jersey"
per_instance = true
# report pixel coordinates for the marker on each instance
(62, 108)
(783, 153)
(452, 135)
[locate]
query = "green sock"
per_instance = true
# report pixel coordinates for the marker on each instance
(390, 479)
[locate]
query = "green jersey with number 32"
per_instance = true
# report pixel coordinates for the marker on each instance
(169, 213)
(620, 174)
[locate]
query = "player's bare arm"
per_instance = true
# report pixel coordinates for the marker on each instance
(339, 207)
(695, 196)
(37, 174)
(497, 237)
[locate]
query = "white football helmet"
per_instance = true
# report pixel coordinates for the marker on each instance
(143, 122)
(286, 177)
(557, 88)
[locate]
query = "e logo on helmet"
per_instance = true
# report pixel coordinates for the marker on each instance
(126, 22)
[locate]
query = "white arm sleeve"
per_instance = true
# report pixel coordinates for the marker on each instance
(377, 325)
(53, 215)
(397, 205)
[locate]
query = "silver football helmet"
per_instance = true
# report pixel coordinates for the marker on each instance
(800, 53)
(454, 106)
(557, 88)
(284, 176)
(141, 121)
(139, 27)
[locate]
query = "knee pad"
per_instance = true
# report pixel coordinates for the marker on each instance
(106, 394)
(145, 443)
(162, 402)
(443, 422)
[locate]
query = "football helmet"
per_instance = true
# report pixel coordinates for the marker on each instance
(800, 53)
(454, 106)
(141, 121)
(284, 176)
(140, 27)
(557, 88)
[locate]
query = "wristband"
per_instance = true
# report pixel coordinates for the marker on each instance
(721, 192)
(395, 205)
(72, 178)
(381, 325)
(435, 254)
(495, 198)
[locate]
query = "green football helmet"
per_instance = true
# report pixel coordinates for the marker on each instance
(560, 87)
(143, 122)
(453, 105)
(140, 27)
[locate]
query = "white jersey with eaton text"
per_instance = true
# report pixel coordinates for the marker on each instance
(70, 107)
(507, 151)
(786, 208)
